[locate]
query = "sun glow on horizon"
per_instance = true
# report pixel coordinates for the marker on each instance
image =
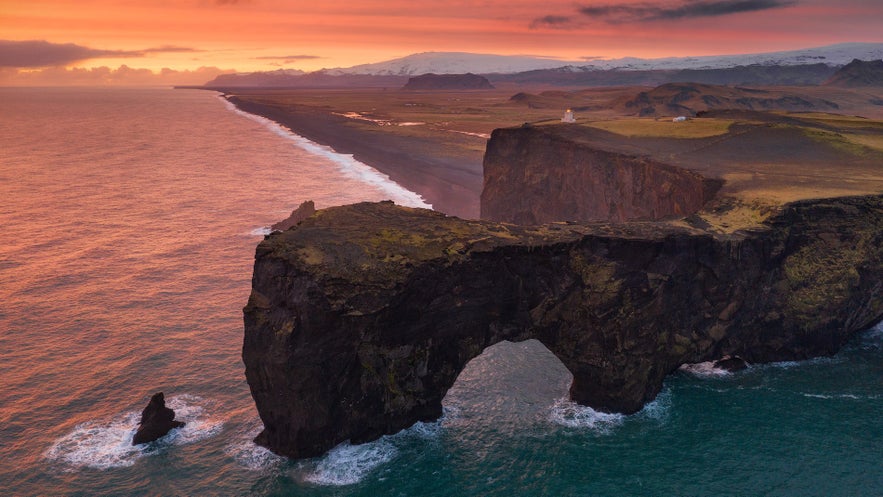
(202, 36)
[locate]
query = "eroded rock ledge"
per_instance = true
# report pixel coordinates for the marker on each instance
(361, 317)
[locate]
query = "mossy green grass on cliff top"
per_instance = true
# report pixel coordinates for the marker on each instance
(664, 128)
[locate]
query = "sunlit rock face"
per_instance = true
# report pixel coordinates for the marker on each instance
(361, 317)
(542, 174)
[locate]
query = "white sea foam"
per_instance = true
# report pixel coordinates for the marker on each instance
(659, 408)
(840, 396)
(249, 454)
(704, 370)
(264, 231)
(567, 413)
(345, 163)
(348, 464)
(99, 445)
(108, 444)
(408, 123)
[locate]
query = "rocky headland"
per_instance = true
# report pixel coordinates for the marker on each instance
(640, 245)
(362, 317)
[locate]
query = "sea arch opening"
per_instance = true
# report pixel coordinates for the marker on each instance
(509, 384)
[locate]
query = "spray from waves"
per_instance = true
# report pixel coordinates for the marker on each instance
(345, 162)
(250, 455)
(348, 464)
(263, 231)
(566, 412)
(108, 444)
(657, 410)
(704, 370)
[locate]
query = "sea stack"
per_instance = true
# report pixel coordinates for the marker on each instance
(156, 421)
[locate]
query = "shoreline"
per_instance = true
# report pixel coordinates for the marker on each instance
(451, 184)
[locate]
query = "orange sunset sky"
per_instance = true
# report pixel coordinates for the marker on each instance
(190, 41)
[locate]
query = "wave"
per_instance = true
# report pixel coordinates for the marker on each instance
(262, 231)
(704, 370)
(108, 444)
(849, 396)
(346, 164)
(250, 455)
(348, 464)
(566, 412)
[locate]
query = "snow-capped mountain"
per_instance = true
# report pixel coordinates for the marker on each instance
(831, 55)
(461, 62)
(453, 63)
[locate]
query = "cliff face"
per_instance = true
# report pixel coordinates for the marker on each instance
(361, 318)
(535, 175)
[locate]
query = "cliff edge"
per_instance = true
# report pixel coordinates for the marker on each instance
(361, 317)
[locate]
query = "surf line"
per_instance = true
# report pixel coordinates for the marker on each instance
(345, 163)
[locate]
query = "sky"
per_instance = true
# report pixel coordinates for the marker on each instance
(191, 41)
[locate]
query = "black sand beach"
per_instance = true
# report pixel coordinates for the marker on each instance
(449, 179)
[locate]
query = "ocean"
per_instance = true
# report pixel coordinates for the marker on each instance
(128, 223)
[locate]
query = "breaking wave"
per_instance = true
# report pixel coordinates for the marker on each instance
(568, 413)
(108, 444)
(347, 165)
(348, 464)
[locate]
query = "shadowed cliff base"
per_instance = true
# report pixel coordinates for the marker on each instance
(362, 316)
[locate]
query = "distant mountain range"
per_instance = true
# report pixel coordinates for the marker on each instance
(460, 62)
(806, 66)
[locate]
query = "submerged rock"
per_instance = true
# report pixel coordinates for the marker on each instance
(362, 317)
(156, 421)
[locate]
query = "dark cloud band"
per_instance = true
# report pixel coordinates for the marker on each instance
(648, 12)
(41, 53)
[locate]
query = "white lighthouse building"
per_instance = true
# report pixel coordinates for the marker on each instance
(568, 117)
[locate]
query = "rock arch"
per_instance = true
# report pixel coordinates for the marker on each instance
(362, 317)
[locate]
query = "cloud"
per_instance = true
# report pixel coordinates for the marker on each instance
(41, 53)
(288, 57)
(105, 76)
(689, 9)
(38, 53)
(169, 49)
(553, 22)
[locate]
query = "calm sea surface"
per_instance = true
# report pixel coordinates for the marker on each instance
(128, 222)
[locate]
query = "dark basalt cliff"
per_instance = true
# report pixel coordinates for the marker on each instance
(361, 317)
(535, 175)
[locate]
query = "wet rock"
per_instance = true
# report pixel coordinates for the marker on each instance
(156, 421)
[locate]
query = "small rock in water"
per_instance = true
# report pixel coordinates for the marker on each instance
(156, 421)
(731, 364)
